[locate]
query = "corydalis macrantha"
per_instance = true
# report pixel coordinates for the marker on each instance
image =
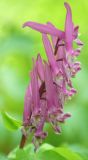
(51, 84)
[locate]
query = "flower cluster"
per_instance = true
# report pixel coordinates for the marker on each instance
(51, 84)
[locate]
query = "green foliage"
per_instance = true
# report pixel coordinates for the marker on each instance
(46, 152)
(68, 154)
(82, 151)
(22, 154)
(61, 153)
(10, 122)
(2, 157)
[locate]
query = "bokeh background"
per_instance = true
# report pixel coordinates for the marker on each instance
(18, 46)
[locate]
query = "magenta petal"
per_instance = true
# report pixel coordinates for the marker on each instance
(60, 33)
(57, 129)
(40, 67)
(35, 91)
(79, 43)
(61, 51)
(61, 55)
(43, 28)
(77, 51)
(50, 54)
(77, 66)
(51, 95)
(49, 85)
(63, 117)
(68, 29)
(53, 38)
(75, 32)
(27, 106)
(41, 134)
(39, 131)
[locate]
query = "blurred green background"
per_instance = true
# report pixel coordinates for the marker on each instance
(18, 46)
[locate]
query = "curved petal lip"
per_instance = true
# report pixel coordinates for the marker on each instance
(44, 28)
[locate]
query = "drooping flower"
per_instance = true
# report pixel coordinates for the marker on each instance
(51, 83)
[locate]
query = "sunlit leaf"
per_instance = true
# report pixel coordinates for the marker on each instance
(81, 150)
(67, 153)
(61, 153)
(12, 154)
(51, 155)
(23, 154)
(10, 122)
(46, 152)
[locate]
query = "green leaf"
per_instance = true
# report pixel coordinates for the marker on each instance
(10, 122)
(45, 147)
(62, 152)
(83, 153)
(81, 150)
(67, 153)
(50, 155)
(45, 152)
(23, 154)
(12, 154)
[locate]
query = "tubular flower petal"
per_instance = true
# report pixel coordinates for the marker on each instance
(68, 29)
(44, 28)
(27, 106)
(51, 94)
(49, 52)
(35, 91)
(40, 67)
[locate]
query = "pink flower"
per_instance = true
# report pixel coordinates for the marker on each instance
(51, 84)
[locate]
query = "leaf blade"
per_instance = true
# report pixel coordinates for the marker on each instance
(10, 122)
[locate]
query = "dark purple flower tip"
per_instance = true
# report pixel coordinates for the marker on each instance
(75, 33)
(57, 129)
(41, 135)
